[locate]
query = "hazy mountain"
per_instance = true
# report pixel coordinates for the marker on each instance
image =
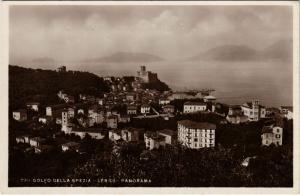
(127, 57)
(281, 50)
(227, 53)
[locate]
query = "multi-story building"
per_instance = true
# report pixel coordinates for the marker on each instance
(272, 135)
(253, 110)
(192, 107)
(66, 126)
(196, 135)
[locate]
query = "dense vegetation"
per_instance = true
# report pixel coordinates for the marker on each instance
(27, 84)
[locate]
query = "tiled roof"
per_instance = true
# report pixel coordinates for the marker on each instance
(197, 125)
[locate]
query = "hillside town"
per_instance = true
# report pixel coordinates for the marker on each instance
(118, 117)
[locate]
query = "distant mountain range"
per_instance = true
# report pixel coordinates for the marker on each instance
(127, 57)
(281, 50)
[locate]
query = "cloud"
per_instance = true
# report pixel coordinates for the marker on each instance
(75, 33)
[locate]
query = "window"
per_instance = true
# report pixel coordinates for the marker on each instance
(196, 140)
(195, 145)
(277, 136)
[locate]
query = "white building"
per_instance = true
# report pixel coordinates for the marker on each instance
(153, 140)
(272, 135)
(195, 134)
(253, 110)
(145, 109)
(20, 115)
(192, 107)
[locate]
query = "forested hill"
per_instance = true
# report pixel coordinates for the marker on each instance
(27, 84)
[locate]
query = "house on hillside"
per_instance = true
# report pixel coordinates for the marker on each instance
(130, 134)
(272, 135)
(153, 140)
(20, 115)
(236, 115)
(131, 110)
(70, 146)
(253, 110)
(287, 111)
(193, 107)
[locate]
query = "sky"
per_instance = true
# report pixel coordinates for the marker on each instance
(74, 33)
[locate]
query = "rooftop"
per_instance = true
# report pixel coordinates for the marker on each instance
(210, 97)
(249, 105)
(71, 144)
(167, 132)
(197, 125)
(194, 103)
